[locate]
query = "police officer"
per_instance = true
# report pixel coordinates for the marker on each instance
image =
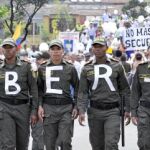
(16, 83)
(102, 81)
(140, 104)
(37, 129)
(56, 105)
(125, 64)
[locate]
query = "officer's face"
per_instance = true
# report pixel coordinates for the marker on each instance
(99, 50)
(9, 51)
(56, 53)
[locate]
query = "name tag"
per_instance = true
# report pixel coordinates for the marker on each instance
(146, 79)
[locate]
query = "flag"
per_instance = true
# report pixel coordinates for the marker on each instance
(17, 35)
(17, 32)
(18, 42)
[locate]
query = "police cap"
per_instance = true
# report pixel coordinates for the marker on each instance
(9, 41)
(56, 42)
(100, 41)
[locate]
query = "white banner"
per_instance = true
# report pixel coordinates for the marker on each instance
(70, 40)
(136, 38)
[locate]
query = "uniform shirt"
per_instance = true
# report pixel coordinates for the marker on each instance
(127, 66)
(55, 81)
(102, 84)
(140, 87)
(17, 82)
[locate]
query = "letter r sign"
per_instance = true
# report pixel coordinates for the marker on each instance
(106, 76)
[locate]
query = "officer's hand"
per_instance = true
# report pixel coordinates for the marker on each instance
(34, 120)
(41, 113)
(74, 113)
(127, 117)
(81, 119)
(134, 120)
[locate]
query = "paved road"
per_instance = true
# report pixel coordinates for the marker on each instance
(81, 142)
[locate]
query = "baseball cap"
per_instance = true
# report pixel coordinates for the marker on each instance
(100, 41)
(9, 41)
(56, 42)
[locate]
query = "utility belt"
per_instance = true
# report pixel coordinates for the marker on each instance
(57, 101)
(14, 101)
(103, 106)
(145, 104)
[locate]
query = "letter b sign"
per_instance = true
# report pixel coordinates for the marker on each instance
(11, 83)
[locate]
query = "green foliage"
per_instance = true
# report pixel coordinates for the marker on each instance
(134, 9)
(3, 11)
(63, 18)
(44, 34)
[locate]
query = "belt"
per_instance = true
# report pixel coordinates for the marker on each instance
(104, 106)
(57, 101)
(145, 104)
(14, 101)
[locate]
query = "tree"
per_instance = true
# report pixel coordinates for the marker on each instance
(134, 8)
(20, 9)
(3, 14)
(63, 18)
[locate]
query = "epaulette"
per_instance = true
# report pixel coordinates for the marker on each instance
(68, 62)
(44, 62)
(113, 59)
(89, 62)
(25, 60)
(146, 62)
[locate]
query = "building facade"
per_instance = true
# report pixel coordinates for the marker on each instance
(79, 10)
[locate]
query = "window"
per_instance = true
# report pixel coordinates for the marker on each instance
(61, 24)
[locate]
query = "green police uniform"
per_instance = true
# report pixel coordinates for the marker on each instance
(54, 82)
(16, 83)
(140, 104)
(103, 84)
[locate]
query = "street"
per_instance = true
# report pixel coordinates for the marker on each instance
(81, 141)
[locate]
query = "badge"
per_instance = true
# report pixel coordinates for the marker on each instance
(34, 74)
(146, 79)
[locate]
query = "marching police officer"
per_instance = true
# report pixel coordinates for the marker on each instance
(140, 104)
(102, 82)
(56, 104)
(16, 84)
(37, 129)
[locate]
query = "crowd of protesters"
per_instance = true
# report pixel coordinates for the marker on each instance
(116, 51)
